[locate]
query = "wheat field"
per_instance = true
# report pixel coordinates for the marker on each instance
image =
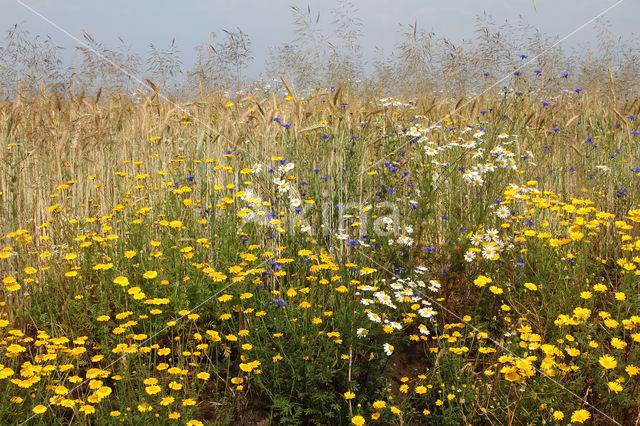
(430, 243)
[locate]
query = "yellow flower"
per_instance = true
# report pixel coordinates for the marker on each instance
(150, 275)
(103, 391)
(632, 370)
(144, 407)
(203, 375)
(600, 287)
(349, 395)
(531, 286)
(39, 409)
(357, 420)
(87, 409)
(618, 344)
(379, 405)
(167, 400)
(225, 298)
(580, 416)
(608, 362)
(558, 415)
(122, 281)
(615, 386)
(421, 389)
(152, 390)
(481, 281)
(495, 290)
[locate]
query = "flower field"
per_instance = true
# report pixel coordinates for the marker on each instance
(332, 258)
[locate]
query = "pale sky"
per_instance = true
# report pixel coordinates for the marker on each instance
(269, 22)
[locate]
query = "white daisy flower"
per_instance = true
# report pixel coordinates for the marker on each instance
(388, 349)
(503, 212)
(374, 317)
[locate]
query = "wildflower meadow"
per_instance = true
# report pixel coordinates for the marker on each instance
(277, 254)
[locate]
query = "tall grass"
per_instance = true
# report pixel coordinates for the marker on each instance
(293, 254)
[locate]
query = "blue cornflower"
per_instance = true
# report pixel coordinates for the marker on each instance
(280, 303)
